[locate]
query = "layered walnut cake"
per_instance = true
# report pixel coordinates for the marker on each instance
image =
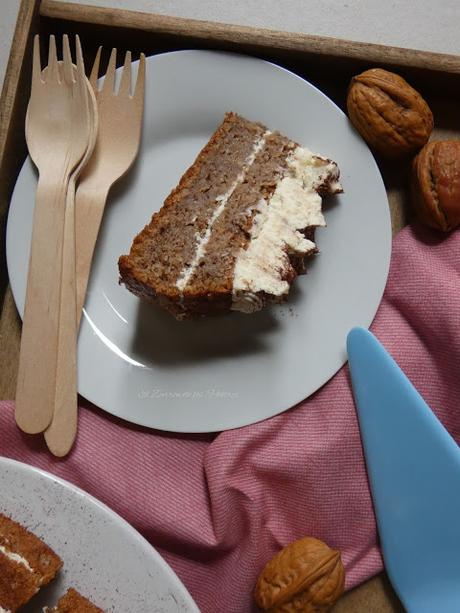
(237, 229)
(27, 565)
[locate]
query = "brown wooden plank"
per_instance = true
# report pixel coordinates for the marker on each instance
(373, 596)
(244, 36)
(27, 13)
(10, 337)
(13, 103)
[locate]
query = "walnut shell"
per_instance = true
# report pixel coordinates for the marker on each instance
(306, 576)
(390, 115)
(436, 184)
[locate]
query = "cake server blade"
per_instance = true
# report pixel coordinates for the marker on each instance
(414, 471)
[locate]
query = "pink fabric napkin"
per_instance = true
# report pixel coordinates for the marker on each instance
(217, 508)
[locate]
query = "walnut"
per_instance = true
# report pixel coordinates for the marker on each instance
(389, 114)
(436, 184)
(306, 576)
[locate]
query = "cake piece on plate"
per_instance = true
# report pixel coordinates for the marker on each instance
(236, 231)
(73, 602)
(26, 565)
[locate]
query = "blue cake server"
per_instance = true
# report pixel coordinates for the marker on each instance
(414, 472)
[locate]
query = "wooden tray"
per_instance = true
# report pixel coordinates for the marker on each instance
(329, 63)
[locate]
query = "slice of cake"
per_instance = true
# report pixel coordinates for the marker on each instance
(73, 602)
(26, 565)
(236, 231)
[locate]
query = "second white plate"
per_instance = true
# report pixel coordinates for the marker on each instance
(140, 364)
(105, 559)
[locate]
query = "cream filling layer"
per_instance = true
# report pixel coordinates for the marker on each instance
(203, 239)
(15, 557)
(276, 229)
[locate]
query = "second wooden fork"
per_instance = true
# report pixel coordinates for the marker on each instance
(61, 433)
(117, 145)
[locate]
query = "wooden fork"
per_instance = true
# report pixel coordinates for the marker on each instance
(57, 134)
(61, 433)
(117, 145)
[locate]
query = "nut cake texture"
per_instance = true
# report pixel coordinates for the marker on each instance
(237, 229)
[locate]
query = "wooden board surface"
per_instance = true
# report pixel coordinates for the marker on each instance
(12, 111)
(244, 36)
(437, 75)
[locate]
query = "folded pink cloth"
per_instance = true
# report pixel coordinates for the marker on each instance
(219, 507)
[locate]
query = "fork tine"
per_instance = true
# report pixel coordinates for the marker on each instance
(80, 61)
(53, 68)
(109, 80)
(36, 63)
(95, 70)
(140, 82)
(125, 84)
(67, 57)
(81, 81)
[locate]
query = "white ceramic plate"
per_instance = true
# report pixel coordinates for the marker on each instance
(104, 557)
(140, 364)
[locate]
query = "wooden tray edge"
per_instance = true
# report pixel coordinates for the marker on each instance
(28, 10)
(252, 37)
(12, 105)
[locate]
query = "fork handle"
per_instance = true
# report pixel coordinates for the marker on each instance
(61, 433)
(89, 210)
(38, 354)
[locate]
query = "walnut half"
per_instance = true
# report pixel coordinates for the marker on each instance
(390, 115)
(306, 576)
(436, 184)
